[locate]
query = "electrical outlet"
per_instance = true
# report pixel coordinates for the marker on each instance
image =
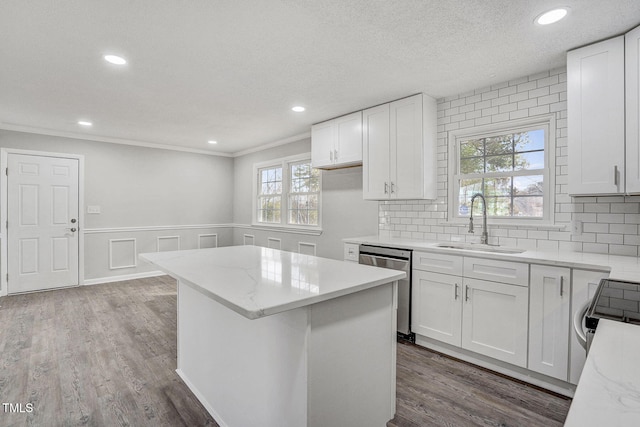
(576, 227)
(93, 209)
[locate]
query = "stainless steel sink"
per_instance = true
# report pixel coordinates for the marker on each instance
(480, 247)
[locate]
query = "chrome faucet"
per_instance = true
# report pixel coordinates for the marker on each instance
(484, 238)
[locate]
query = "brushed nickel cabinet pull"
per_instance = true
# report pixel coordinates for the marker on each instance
(466, 293)
(561, 285)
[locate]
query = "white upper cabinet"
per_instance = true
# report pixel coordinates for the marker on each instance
(376, 146)
(632, 82)
(337, 143)
(603, 95)
(595, 103)
(399, 150)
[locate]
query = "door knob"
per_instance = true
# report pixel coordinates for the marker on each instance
(73, 220)
(73, 230)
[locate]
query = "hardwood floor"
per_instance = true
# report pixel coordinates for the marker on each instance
(436, 390)
(95, 355)
(105, 355)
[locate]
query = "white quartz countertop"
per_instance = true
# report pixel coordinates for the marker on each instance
(257, 282)
(619, 267)
(608, 393)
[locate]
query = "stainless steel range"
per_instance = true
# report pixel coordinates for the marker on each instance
(617, 300)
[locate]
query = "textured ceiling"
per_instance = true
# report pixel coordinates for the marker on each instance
(231, 70)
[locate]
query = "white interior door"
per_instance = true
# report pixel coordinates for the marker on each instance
(43, 195)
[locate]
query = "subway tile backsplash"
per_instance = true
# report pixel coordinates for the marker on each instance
(605, 224)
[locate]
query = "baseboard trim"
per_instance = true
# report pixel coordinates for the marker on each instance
(122, 277)
(201, 398)
(522, 374)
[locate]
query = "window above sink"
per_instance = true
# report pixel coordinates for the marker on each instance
(512, 164)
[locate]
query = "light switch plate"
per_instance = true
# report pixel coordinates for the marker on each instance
(93, 209)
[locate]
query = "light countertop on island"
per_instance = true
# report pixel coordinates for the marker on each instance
(256, 282)
(608, 393)
(301, 341)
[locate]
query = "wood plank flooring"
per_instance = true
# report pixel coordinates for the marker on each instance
(436, 390)
(99, 355)
(105, 355)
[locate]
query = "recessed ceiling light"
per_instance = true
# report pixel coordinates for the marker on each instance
(114, 59)
(84, 123)
(213, 142)
(552, 16)
(298, 109)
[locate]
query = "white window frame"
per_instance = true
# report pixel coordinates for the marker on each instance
(547, 121)
(284, 163)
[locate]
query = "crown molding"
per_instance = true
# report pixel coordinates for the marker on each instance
(277, 143)
(121, 141)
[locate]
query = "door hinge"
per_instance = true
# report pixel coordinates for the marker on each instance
(6, 171)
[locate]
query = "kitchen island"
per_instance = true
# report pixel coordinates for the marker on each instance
(608, 393)
(273, 338)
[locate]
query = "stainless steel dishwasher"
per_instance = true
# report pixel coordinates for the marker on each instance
(395, 259)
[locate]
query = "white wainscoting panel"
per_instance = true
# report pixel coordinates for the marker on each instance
(168, 243)
(207, 241)
(122, 253)
(274, 243)
(307, 248)
(249, 239)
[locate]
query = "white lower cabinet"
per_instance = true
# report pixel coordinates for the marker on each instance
(549, 320)
(486, 317)
(494, 320)
(437, 308)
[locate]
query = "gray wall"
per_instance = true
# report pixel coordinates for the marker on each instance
(150, 197)
(344, 212)
(142, 188)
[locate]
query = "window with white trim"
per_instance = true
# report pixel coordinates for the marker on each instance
(288, 193)
(510, 165)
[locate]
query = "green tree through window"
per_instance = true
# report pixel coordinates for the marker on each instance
(507, 169)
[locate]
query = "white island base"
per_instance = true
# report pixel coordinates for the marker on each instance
(332, 363)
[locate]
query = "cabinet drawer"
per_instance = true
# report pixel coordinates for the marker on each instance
(351, 252)
(437, 263)
(514, 273)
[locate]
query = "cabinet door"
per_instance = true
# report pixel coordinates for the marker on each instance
(348, 140)
(407, 155)
(495, 320)
(436, 306)
(632, 82)
(375, 153)
(549, 320)
(595, 104)
(322, 144)
(583, 287)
